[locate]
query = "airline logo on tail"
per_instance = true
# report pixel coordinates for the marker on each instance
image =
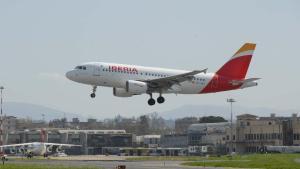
(237, 67)
(235, 70)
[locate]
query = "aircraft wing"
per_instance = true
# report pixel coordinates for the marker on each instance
(63, 145)
(167, 82)
(47, 144)
(16, 145)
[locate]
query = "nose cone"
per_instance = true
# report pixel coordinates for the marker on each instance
(70, 75)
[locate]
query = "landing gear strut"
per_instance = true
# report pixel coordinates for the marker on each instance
(151, 101)
(93, 94)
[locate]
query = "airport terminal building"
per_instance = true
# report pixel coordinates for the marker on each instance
(252, 134)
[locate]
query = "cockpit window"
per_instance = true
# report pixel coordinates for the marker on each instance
(80, 67)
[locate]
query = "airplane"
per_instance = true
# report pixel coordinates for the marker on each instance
(130, 80)
(38, 148)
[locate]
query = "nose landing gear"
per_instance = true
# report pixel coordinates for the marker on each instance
(93, 94)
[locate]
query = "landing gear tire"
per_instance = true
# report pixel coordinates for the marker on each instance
(151, 102)
(160, 99)
(93, 95)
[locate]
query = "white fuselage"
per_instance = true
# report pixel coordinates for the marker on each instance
(36, 148)
(116, 75)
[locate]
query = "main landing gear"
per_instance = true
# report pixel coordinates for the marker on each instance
(160, 100)
(93, 94)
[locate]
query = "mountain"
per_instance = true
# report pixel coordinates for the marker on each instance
(34, 112)
(224, 111)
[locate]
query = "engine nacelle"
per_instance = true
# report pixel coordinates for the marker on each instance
(22, 150)
(54, 148)
(249, 84)
(136, 87)
(59, 149)
(49, 149)
(12, 151)
(120, 92)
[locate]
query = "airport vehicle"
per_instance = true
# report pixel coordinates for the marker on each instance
(130, 80)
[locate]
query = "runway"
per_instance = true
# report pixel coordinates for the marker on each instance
(109, 164)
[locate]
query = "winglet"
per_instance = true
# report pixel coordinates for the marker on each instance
(200, 71)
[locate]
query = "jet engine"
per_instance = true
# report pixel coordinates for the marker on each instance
(120, 92)
(136, 87)
(50, 149)
(132, 88)
(22, 150)
(12, 151)
(59, 149)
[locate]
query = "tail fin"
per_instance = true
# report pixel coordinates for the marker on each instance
(238, 64)
(43, 135)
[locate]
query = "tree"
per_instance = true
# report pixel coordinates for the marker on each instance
(212, 119)
(157, 123)
(143, 126)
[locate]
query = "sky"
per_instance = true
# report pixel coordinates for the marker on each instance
(41, 40)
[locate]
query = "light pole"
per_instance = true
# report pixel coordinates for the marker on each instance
(43, 117)
(1, 120)
(231, 101)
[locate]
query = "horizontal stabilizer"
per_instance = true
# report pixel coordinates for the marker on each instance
(239, 82)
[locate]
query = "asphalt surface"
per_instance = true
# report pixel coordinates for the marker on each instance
(110, 164)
